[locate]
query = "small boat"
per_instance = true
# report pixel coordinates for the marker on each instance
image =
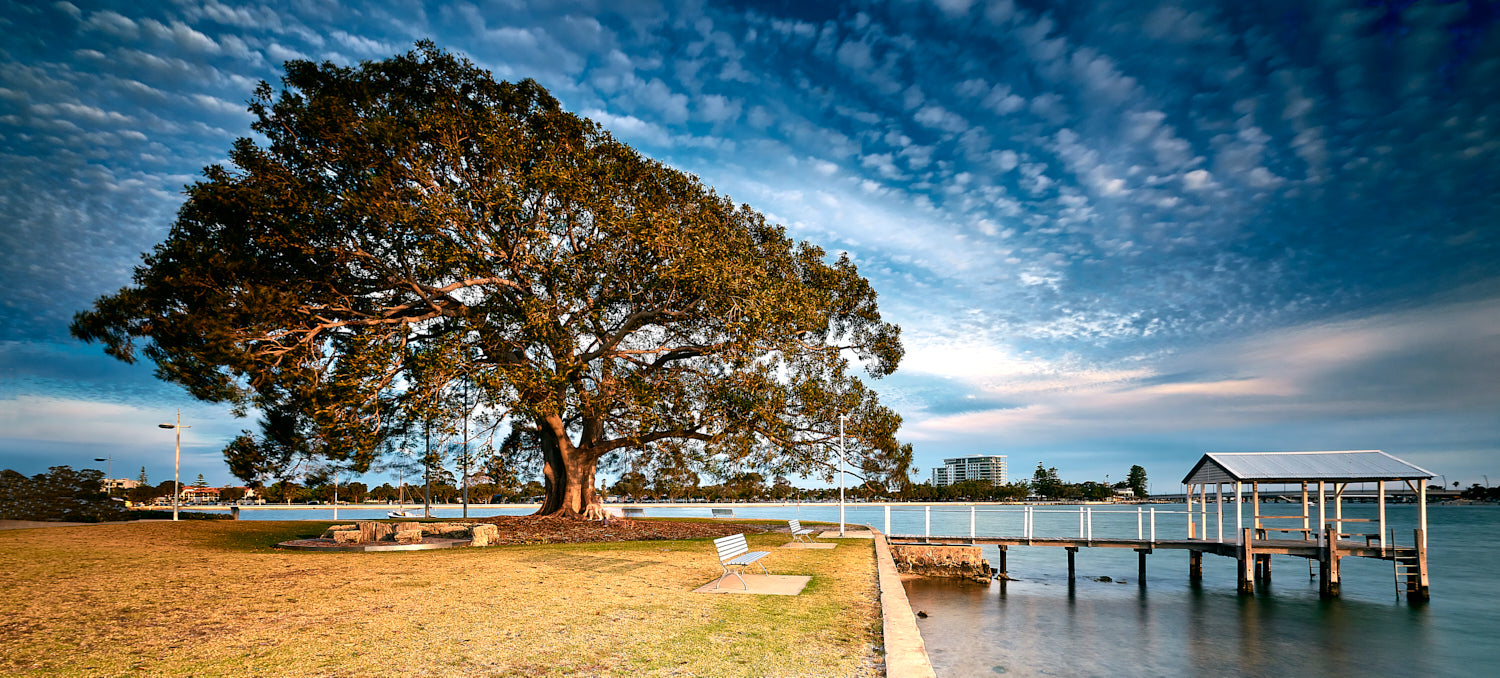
(401, 511)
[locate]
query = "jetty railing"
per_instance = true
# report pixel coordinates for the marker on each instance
(1145, 519)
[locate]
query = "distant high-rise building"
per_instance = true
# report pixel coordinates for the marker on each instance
(989, 467)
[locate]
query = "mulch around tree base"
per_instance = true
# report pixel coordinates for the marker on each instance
(558, 530)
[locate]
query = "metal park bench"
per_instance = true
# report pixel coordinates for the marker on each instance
(734, 552)
(723, 513)
(633, 512)
(799, 533)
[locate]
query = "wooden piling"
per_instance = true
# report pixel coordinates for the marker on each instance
(1263, 567)
(1246, 558)
(1195, 566)
(1140, 570)
(1328, 565)
(1072, 551)
(1002, 560)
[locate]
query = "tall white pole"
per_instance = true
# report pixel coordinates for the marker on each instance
(1381, 500)
(842, 452)
(1219, 506)
(1239, 512)
(177, 468)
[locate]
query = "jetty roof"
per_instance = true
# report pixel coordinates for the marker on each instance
(1295, 467)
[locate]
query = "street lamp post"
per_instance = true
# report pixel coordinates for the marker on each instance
(842, 453)
(176, 463)
(109, 485)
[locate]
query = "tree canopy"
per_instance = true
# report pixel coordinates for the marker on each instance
(408, 229)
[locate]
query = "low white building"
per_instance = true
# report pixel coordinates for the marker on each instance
(989, 467)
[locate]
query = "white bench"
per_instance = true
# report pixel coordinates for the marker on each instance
(723, 513)
(633, 512)
(799, 533)
(734, 552)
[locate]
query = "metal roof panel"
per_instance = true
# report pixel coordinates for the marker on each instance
(1350, 465)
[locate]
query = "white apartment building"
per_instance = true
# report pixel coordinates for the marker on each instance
(989, 467)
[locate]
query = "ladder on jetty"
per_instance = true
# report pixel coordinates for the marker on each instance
(1410, 569)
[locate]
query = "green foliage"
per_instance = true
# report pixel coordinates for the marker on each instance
(968, 490)
(231, 494)
(59, 494)
(1046, 483)
(1136, 481)
(632, 484)
(412, 229)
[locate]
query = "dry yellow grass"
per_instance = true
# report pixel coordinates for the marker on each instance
(213, 599)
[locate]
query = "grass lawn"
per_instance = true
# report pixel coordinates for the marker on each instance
(212, 598)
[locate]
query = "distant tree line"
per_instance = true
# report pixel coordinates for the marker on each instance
(59, 494)
(1479, 492)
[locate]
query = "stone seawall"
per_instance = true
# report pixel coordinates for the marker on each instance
(962, 562)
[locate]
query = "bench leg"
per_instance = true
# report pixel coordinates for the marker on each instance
(728, 572)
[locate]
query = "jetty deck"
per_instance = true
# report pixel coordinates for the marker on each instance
(1318, 537)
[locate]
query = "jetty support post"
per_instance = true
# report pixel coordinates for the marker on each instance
(1255, 505)
(1195, 565)
(1380, 496)
(1246, 556)
(1003, 569)
(1328, 565)
(1219, 510)
(1140, 568)
(1072, 551)
(1322, 517)
(1338, 508)
(1263, 566)
(1305, 513)
(1190, 510)
(1203, 509)
(1239, 509)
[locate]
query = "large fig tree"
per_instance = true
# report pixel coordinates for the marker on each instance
(411, 226)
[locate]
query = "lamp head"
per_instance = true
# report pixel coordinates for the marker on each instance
(165, 426)
(100, 459)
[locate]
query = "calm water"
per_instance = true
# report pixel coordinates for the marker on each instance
(1038, 625)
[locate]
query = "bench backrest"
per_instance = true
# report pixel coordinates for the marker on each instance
(731, 546)
(723, 512)
(794, 525)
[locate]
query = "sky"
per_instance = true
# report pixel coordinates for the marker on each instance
(1113, 233)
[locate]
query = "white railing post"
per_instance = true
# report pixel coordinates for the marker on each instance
(1026, 522)
(971, 523)
(1090, 511)
(1153, 524)
(887, 519)
(926, 521)
(1139, 533)
(1080, 522)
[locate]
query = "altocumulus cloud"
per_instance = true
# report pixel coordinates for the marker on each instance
(1112, 230)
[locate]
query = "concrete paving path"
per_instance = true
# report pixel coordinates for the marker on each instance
(760, 584)
(806, 545)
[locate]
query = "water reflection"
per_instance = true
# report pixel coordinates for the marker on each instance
(1041, 625)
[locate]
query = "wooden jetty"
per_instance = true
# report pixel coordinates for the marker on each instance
(1251, 545)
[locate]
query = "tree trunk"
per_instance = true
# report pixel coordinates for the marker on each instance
(569, 473)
